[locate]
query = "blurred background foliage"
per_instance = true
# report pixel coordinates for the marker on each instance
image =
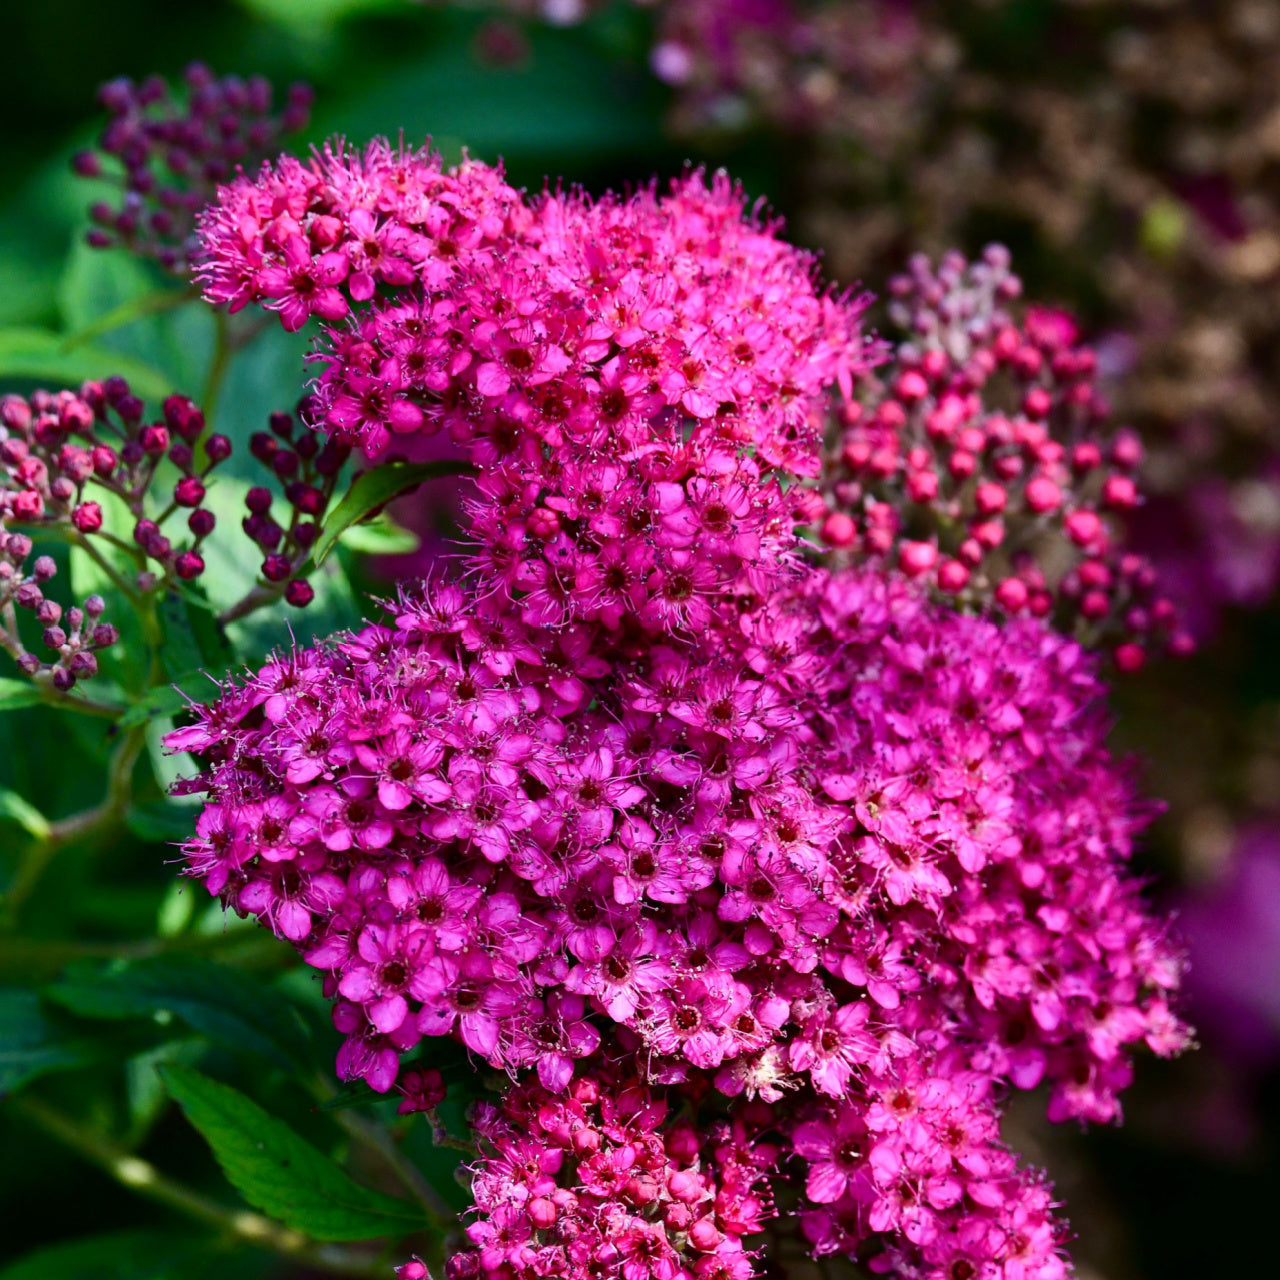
(120, 949)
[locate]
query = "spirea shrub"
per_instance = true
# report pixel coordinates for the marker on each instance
(725, 803)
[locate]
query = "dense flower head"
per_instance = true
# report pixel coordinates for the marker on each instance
(604, 1180)
(829, 864)
(863, 829)
(979, 461)
(171, 156)
(631, 377)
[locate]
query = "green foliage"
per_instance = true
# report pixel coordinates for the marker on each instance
(32, 1043)
(42, 356)
(232, 1008)
(279, 1172)
(372, 490)
(122, 1255)
(15, 694)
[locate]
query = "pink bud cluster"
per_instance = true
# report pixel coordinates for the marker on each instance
(630, 377)
(308, 470)
(170, 157)
(605, 1178)
(979, 461)
(62, 452)
(74, 636)
(832, 863)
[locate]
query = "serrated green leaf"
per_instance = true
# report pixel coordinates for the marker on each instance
(16, 694)
(281, 1173)
(37, 353)
(372, 490)
(121, 1255)
(31, 1043)
(24, 813)
(228, 1006)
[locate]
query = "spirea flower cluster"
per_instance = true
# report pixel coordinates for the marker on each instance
(752, 874)
(979, 456)
(632, 378)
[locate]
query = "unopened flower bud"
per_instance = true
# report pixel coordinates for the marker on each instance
(44, 569)
(1129, 658)
(1011, 595)
(952, 576)
(276, 568)
(217, 448)
(1042, 495)
(188, 565)
(299, 593)
(990, 498)
(83, 665)
(87, 517)
(104, 635)
(917, 558)
(258, 500)
(704, 1235)
(1120, 493)
(839, 530)
(542, 1213)
(1083, 527)
(201, 522)
(188, 492)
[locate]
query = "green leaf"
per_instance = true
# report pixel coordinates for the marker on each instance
(31, 1043)
(37, 353)
(164, 822)
(97, 287)
(380, 536)
(279, 1172)
(193, 640)
(131, 309)
(169, 698)
(226, 1005)
(24, 813)
(15, 694)
(121, 1255)
(303, 17)
(371, 490)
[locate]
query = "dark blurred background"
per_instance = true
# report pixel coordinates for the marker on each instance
(1185, 1187)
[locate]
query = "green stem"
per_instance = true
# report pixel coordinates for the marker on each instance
(241, 1225)
(222, 347)
(254, 599)
(103, 817)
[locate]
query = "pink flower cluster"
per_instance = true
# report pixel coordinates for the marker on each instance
(630, 377)
(170, 158)
(828, 863)
(979, 456)
(603, 1179)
